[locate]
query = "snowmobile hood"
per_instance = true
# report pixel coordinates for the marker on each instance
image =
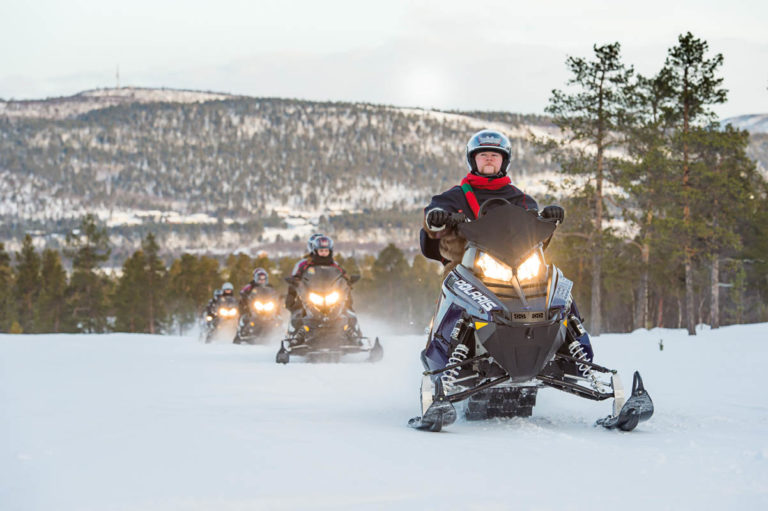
(507, 232)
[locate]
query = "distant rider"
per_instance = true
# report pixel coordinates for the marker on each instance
(320, 254)
(227, 290)
(211, 309)
(260, 279)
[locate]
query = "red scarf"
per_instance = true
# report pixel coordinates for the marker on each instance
(481, 183)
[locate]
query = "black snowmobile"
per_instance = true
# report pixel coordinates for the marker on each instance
(224, 321)
(261, 318)
(328, 329)
(504, 328)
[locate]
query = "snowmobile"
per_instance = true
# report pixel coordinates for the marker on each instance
(223, 324)
(504, 328)
(262, 317)
(328, 329)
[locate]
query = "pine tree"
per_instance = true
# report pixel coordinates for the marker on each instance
(390, 273)
(695, 87)
(130, 299)
(27, 284)
(7, 309)
(181, 289)
(593, 115)
(721, 165)
(50, 308)
(648, 177)
(155, 282)
(88, 247)
(755, 241)
(191, 282)
(239, 269)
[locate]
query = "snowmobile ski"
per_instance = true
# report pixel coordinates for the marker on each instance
(638, 408)
(440, 413)
(377, 352)
(282, 357)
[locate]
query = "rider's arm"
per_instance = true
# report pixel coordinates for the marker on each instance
(448, 202)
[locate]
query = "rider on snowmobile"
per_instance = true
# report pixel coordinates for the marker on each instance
(260, 279)
(305, 258)
(227, 289)
(320, 254)
(210, 308)
(488, 157)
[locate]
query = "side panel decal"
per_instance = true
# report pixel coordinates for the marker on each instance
(476, 296)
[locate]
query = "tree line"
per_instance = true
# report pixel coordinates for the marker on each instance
(150, 295)
(665, 208)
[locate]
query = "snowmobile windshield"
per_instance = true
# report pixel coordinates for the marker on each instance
(258, 292)
(507, 232)
(227, 300)
(323, 278)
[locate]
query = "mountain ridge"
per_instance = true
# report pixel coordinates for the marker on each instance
(239, 172)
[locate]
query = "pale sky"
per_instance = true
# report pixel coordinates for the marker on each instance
(489, 55)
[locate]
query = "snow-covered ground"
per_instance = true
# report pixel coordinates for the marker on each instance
(139, 422)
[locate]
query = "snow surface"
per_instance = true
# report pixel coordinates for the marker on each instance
(140, 422)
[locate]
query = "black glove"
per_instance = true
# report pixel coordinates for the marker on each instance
(456, 219)
(437, 218)
(555, 213)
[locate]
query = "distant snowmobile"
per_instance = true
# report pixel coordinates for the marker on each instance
(503, 328)
(262, 318)
(223, 324)
(328, 330)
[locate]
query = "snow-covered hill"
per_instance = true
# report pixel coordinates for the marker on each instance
(86, 101)
(138, 422)
(209, 171)
(143, 159)
(754, 123)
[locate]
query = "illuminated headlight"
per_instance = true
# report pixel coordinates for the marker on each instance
(227, 313)
(263, 306)
(493, 268)
(530, 268)
(319, 300)
(332, 298)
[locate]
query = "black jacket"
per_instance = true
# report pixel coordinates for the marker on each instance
(454, 201)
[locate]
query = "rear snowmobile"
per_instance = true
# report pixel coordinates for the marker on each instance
(223, 325)
(504, 328)
(329, 329)
(262, 317)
